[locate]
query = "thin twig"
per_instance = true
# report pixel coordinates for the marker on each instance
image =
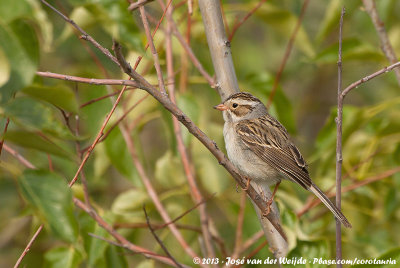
(85, 35)
(153, 49)
(386, 47)
(28, 246)
(356, 185)
(132, 150)
(252, 240)
(256, 250)
(20, 158)
(239, 226)
(158, 239)
(121, 239)
(194, 189)
(288, 50)
(119, 120)
(152, 193)
(99, 135)
(209, 144)
(161, 226)
(124, 242)
(193, 129)
(139, 59)
(138, 4)
(92, 81)
(368, 77)
(339, 158)
(4, 132)
(224, 18)
(196, 62)
(102, 98)
(243, 20)
(312, 201)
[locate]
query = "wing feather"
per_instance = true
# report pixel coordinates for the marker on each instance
(269, 140)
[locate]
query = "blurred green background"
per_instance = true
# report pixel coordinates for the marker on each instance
(33, 38)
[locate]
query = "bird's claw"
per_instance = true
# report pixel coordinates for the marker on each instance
(247, 184)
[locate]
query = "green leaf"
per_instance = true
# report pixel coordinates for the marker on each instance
(51, 197)
(13, 9)
(189, 105)
(21, 46)
(310, 250)
(33, 140)
(262, 83)
(36, 116)
(392, 255)
(284, 22)
(129, 201)
(94, 247)
(352, 49)
(169, 170)
(330, 19)
(119, 155)
(66, 257)
(5, 68)
(115, 257)
(60, 96)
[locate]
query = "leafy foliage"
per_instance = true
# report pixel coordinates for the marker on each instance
(51, 125)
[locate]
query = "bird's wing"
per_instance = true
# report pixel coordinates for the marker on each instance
(269, 140)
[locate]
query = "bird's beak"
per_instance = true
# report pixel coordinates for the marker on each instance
(221, 107)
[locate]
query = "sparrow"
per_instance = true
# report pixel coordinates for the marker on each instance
(260, 147)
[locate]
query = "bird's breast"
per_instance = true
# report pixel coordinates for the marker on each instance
(249, 164)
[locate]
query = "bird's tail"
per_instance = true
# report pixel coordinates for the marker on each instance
(328, 203)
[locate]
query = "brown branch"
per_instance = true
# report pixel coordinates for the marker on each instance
(122, 240)
(139, 59)
(130, 145)
(158, 239)
(102, 98)
(311, 201)
(239, 227)
(138, 4)
(288, 50)
(354, 186)
(196, 62)
(99, 135)
(28, 246)
(85, 35)
(193, 129)
(153, 49)
(4, 132)
(243, 20)
(386, 47)
(224, 18)
(92, 81)
(368, 77)
(19, 157)
(252, 240)
(190, 176)
(153, 194)
(339, 158)
(210, 145)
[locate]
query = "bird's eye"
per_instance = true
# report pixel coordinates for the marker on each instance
(235, 105)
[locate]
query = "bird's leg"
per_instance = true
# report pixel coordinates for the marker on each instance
(247, 184)
(270, 200)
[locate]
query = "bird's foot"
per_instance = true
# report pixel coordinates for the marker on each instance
(270, 200)
(247, 184)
